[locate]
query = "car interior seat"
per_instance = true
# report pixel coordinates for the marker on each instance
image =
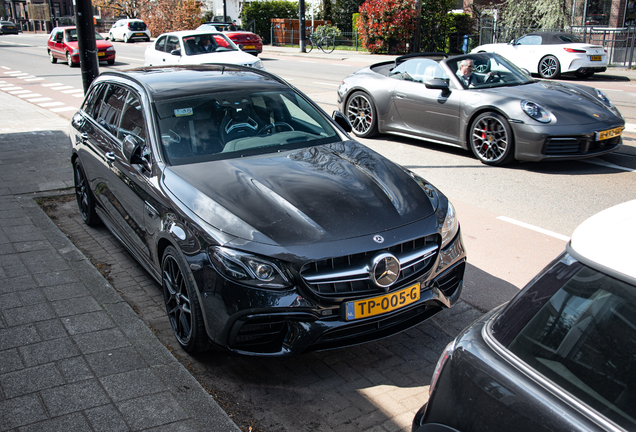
(190, 47)
(240, 121)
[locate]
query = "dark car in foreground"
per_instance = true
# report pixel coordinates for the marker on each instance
(504, 115)
(560, 356)
(270, 230)
(9, 27)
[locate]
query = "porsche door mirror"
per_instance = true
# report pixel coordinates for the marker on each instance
(437, 84)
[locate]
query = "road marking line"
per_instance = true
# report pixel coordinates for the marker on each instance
(50, 104)
(62, 87)
(51, 84)
(7, 89)
(68, 108)
(329, 84)
(28, 76)
(13, 73)
(34, 79)
(4, 67)
(303, 61)
(534, 228)
(32, 95)
(72, 91)
(606, 89)
(630, 127)
(17, 92)
(603, 163)
(78, 95)
(19, 74)
(44, 99)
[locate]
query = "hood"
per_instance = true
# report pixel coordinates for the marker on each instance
(100, 44)
(559, 98)
(228, 57)
(310, 195)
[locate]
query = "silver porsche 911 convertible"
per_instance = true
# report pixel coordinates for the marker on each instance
(481, 102)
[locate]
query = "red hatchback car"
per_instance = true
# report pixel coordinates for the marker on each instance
(250, 42)
(62, 44)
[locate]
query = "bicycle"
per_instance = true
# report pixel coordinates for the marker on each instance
(325, 42)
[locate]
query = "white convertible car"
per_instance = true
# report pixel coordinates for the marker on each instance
(551, 54)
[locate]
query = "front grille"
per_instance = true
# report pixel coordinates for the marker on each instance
(451, 279)
(348, 275)
(569, 146)
(262, 334)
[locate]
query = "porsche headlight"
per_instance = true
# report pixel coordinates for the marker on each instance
(602, 97)
(536, 111)
(249, 269)
(450, 226)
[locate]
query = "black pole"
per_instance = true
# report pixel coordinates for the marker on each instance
(417, 35)
(301, 25)
(225, 12)
(86, 41)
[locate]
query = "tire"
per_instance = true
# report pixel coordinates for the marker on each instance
(361, 113)
(84, 196)
(125, 38)
(110, 37)
(309, 45)
(52, 57)
(182, 303)
(328, 45)
(69, 60)
(491, 139)
(110, 62)
(549, 67)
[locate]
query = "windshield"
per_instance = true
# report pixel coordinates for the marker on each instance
(487, 71)
(71, 35)
(207, 43)
(239, 123)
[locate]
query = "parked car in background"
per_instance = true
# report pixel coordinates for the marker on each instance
(8, 27)
(62, 45)
(271, 231)
(560, 356)
(504, 115)
(551, 54)
(129, 30)
(186, 48)
(249, 42)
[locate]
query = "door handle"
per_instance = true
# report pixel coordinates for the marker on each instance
(84, 137)
(400, 96)
(110, 156)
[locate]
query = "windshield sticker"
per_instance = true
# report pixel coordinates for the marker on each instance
(183, 112)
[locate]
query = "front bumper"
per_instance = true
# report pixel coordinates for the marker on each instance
(545, 142)
(290, 322)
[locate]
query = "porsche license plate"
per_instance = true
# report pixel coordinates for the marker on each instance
(611, 133)
(596, 58)
(101, 54)
(249, 46)
(382, 304)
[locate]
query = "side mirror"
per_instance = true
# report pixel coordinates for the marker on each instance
(240, 47)
(512, 42)
(176, 52)
(437, 84)
(132, 152)
(342, 121)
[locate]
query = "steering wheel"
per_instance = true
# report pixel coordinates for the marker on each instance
(493, 77)
(273, 126)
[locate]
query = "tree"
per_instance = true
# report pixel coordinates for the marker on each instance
(436, 24)
(171, 15)
(385, 23)
(121, 8)
(344, 10)
(542, 14)
(327, 10)
(261, 13)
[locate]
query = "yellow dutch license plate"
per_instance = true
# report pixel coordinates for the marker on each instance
(611, 133)
(101, 54)
(139, 34)
(249, 46)
(596, 58)
(382, 304)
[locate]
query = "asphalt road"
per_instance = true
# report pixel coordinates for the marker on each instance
(514, 221)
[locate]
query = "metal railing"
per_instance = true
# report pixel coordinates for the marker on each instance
(347, 40)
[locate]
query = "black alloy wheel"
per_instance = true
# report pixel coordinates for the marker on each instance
(361, 113)
(182, 304)
(549, 67)
(491, 139)
(84, 196)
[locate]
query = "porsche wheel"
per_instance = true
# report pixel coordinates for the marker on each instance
(182, 304)
(52, 57)
(549, 67)
(491, 139)
(84, 196)
(361, 113)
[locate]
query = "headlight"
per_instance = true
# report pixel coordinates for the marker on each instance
(249, 269)
(110, 49)
(602, 97)
(536, 111)
(450, 226)
(258, 64)
(75, 52)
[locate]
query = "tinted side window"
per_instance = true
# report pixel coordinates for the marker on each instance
(132, 121)
(529, 40)
(161, 44)
(584, 340)
(59, 37)
(93, 101)
(111, 107)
